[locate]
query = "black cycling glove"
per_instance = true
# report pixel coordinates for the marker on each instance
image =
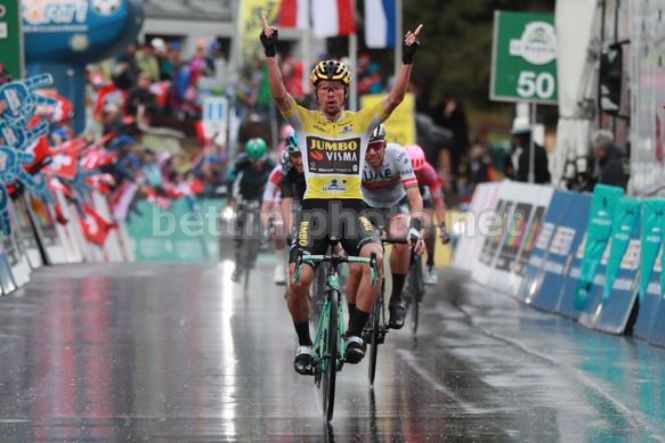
(408, 52)
(269, 43)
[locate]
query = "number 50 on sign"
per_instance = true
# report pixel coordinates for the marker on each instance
(524, 58)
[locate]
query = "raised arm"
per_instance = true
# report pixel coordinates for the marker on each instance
(277, 89)
(396, 95)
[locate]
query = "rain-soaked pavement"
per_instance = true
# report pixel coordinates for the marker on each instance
(153, 352)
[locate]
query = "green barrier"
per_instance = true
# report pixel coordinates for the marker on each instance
(178, 234)
(598, 233)
(653, 224)
(627, 212)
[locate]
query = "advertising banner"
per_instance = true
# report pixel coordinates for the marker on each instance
(78, 31)
(216, 119)
(598, 234)
(657, 333)
(177, 234)
(653, 226)
(251, 25)
(401, 125)
(648, 303)
(496, 230)
(534, 267)
(563, 254)
(520, 230)
(609, 308)
(471, 230)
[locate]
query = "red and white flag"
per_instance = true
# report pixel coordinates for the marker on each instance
(332, 18)
(65, 159)
(95, 228)
(294, 14)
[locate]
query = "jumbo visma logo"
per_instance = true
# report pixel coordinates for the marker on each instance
(333, 156)
(303, 234)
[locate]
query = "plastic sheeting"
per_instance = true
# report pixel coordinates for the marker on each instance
(648, 115)
(575, 27)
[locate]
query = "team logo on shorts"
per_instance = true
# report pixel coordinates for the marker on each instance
(334, 185)
(303, 234)
(367, 225)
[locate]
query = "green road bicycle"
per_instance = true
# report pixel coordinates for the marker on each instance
(328, 347)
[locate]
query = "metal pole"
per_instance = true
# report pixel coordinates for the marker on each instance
(306, 59)
(237, 54)
(398, 35)
(532, 145)
(353, 57)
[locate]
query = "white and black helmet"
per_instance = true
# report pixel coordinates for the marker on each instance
(379, 133)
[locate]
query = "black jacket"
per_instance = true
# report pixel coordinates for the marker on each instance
(540, 166)
(609, 169)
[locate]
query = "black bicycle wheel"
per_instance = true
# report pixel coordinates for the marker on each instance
(330, 377)
(375, 329)
(418, 292)
(414, 316)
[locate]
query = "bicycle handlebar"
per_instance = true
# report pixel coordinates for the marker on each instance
(395, 241)
(336, 260)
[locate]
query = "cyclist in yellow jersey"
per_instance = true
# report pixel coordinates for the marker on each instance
(333, 144)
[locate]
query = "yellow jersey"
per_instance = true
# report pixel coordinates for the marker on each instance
(333, 153)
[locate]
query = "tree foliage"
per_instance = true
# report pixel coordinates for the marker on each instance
(456, 53)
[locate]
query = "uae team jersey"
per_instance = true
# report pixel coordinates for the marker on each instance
(272, 192)
(333, 153)
(385, 186)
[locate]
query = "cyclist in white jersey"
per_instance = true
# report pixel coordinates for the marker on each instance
(389, 188)
(271, 221)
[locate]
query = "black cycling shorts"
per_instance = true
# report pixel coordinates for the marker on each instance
(324, 219)
(380, 217)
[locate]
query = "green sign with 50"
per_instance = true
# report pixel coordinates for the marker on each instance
(524, 58)
(11, 39)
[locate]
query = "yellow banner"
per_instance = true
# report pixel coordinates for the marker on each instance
(251, 24)
(401, 126)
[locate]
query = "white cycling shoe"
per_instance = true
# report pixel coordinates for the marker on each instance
(431, 277)
(279, 275)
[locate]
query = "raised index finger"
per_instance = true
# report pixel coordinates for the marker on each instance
(417, 31)
(266, 25)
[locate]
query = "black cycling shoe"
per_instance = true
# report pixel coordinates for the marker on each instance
(304, 362)
(397, 315)
(355, 349)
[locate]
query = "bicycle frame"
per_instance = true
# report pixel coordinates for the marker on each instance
(333, 297)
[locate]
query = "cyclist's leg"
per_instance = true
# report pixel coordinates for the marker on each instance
(430, 239)
(297, 298)
(279, 245)
(364, 243)
(378, 218)
(399, 268)
(352, 285)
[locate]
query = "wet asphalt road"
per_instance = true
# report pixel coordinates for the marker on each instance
(154, 352)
